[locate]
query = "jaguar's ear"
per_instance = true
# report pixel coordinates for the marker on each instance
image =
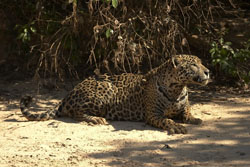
(175, 62)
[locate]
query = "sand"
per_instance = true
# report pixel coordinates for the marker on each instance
(223, 139)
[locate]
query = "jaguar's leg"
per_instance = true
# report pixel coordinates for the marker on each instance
(91, 119)
(166, 124)
(187, 117)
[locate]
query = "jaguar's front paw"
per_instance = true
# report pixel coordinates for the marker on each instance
(173, 127)
(176, 129)
(194, 121)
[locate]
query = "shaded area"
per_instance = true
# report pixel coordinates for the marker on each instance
(217, 94)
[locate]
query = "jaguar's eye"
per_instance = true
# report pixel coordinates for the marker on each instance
(195, 65)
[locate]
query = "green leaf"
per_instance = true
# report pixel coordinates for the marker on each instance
(33, 29)
(20, 36)
(228, 43)
(221, 41)
(109, 32)
(223, 52)
(115, 3)
(212, 50)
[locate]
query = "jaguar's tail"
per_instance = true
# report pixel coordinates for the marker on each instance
(24, 106)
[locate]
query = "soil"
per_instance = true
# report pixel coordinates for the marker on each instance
(222, 140)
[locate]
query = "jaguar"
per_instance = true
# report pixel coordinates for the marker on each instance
(159, 97)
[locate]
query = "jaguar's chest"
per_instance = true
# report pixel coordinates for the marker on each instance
(171, 101)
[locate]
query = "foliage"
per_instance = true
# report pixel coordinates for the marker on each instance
(231, 62)
(73, 37)
(25, 32)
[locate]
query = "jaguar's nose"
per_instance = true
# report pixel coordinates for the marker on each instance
(206, 72)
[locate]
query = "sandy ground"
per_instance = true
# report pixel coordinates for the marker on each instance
(222, 140)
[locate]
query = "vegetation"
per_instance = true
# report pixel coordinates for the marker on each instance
(73, 38)
(231, 62)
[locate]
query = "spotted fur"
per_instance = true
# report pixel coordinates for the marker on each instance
(158, 97)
